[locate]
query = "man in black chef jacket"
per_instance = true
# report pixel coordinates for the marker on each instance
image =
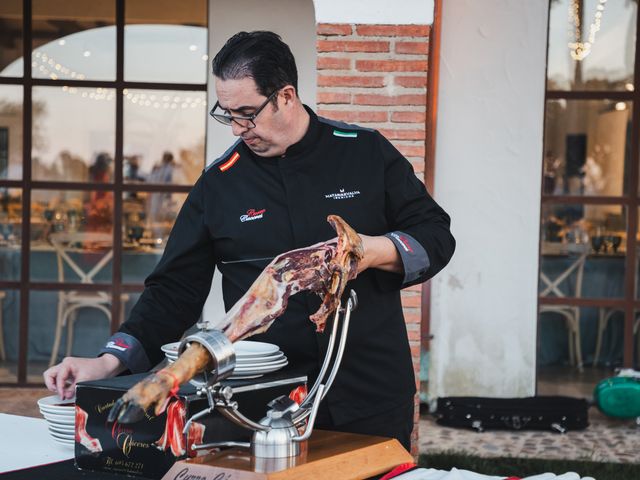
(271, 192)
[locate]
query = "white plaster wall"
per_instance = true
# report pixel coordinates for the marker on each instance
(385, 12)
(488, 169)
(294, 21)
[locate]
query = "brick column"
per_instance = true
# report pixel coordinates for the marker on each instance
(376, 76)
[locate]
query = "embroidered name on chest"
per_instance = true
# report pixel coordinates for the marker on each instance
(252, 214)
(342, 194)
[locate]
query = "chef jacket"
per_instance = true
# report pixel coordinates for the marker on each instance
(244, 210)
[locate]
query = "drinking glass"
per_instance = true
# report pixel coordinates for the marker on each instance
(614, 242)
(135, 233)
(597, 243)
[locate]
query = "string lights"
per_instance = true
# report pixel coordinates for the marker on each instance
(577, 48)
(50, 67)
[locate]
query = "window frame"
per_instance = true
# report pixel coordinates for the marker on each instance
(118, 187)
(630, 201)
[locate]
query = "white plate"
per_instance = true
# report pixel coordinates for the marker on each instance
(256, 368)
(53, 404)
(243, 348)
(255, 371)
(170, 348)
(62, 429)
(66, 412)
(245, 377)
(245, 351)
(278, 356)
(67, 443)
(269, 358)
(258, 365)
(246, 348)
(69, 437)
(64, 445)
(59, 419)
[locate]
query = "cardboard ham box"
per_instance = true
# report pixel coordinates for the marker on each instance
(151, 446)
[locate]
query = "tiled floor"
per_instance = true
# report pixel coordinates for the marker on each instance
(605, 440)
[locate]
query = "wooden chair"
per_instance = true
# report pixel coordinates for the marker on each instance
(70, 302)
(571, 314)
(604, 315)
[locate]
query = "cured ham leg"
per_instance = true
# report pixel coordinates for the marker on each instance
(324, 268)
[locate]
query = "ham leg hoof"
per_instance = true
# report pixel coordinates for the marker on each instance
(125, 412)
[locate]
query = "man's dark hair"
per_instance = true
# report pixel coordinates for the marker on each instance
(260, 55)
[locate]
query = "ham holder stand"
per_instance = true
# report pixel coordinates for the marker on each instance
(277, 450)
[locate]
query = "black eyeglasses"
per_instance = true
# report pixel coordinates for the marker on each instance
(246, 121)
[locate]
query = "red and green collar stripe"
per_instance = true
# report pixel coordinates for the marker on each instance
(229, 163)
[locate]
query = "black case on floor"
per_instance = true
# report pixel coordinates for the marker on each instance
(555, 413)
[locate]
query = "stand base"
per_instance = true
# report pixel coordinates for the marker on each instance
(326, 455)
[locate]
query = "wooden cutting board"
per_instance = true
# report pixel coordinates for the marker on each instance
(330, 455)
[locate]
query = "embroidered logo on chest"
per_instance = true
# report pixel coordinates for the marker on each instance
(252, 214)
(342, 194)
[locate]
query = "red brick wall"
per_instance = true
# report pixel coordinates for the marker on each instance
(376, 76)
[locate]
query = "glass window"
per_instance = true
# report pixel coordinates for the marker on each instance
(74, 39)
(54, 335)
(583, 251)
(10, 233)
(11, 39)
(166, 44)
(71, 236)
(147, 221)
(73, 134)
(591, 45)
(587, 145)
(9, 335)
(73, 139)
(164, 136)
(10, 132)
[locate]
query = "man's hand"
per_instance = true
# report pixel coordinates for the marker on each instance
(62, 378)
(381, 253)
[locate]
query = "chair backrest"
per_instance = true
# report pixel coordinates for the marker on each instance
(552, 286)
(64, 241)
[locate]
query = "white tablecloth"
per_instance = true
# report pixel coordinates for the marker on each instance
(25, 442)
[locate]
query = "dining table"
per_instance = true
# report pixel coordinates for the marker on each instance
(29, 453)
(26, 443)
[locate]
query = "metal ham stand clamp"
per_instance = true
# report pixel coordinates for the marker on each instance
(275, 448)
(276, 435)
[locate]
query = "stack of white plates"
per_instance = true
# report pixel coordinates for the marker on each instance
(253, 359)
(61, 418)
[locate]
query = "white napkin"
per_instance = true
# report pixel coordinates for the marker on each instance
(455, 474)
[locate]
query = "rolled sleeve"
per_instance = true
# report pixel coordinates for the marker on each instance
(415, 259)
(129, 351)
